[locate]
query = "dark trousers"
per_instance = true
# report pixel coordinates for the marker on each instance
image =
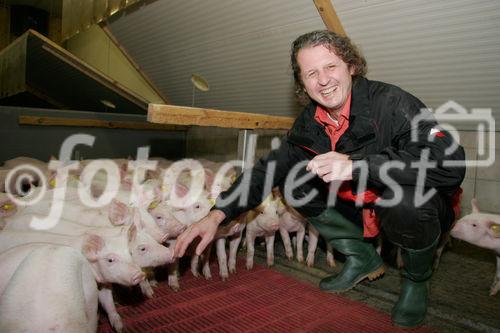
(404, 224)
(415, 227)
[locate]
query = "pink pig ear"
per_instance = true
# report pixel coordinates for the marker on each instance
(473, 203)
(494, 229)
(118, 211)
(137, 219)
(180, 190)
(7, 208)
(132, 233)
(209, 178)
(51, 179)
(123, 169)
(92, 245)
(276, 193)
(153, 174)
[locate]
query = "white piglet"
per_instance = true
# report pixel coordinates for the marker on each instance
(483, 230)
(262, 221)
(47, 288)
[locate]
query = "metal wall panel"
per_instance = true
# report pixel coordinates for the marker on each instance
(437, 50)
(240, 47)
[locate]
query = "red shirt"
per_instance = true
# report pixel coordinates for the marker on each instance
(334, 129)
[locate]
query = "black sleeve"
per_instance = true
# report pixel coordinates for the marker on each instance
(410, 141)
(255, 184)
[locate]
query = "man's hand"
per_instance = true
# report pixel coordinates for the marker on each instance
(331, 166)
(205, 228)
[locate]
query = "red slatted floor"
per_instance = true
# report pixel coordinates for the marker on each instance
(260, 300)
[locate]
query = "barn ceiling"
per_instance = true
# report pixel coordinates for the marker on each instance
(437, 50)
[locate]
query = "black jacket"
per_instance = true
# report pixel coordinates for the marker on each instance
(380, 130)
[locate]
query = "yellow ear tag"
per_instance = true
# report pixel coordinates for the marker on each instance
(154, 204)
(495, 228)
(52, 183)
(212, 201)
(7, 206)
(233, 178)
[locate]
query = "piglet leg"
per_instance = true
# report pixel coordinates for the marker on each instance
(312, 245)
(285, 237)
(270, 250)
(220, 246)
(233, 251)
(495, 286)
(108, 304)
(301, 234)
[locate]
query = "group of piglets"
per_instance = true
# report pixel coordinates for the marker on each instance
(57, 264)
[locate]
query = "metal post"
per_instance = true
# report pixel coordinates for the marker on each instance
(247, 144)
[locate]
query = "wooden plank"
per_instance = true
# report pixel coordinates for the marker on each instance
(180, 115)
(329, 16)
(78, 122)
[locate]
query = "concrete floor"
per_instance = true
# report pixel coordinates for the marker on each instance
(459, 298)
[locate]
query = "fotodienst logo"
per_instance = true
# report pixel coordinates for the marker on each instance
(477, 124)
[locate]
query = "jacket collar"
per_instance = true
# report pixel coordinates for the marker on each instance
(360, 101)
(361, 126)
(307, 132)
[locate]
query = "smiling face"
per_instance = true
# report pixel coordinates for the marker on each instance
(327, 79)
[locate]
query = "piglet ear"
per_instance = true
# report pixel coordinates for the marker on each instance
(92, 245)
(209, 178)
(494, 229)
(276, 193)
(51, 179)
(7, 208)
(180, 190)
(132, 233)
(153, 174)
(473, 203)
(118, 211)
(137, 218)
(123, 169)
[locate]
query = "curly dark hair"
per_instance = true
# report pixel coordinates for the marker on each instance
(340, 45)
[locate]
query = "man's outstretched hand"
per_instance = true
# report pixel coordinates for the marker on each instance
(205, 228)
(331, 166)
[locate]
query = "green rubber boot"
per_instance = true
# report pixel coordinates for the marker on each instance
(362, 261)
(411, 308)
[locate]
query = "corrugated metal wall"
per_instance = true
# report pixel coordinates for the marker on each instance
(240, 47)
(438, 50)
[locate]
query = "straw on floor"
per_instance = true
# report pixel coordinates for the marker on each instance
(259, 300)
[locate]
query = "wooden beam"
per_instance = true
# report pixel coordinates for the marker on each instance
(78, 122)
(104, 26)
(88, 70)
(180, 115)
(329, 16)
